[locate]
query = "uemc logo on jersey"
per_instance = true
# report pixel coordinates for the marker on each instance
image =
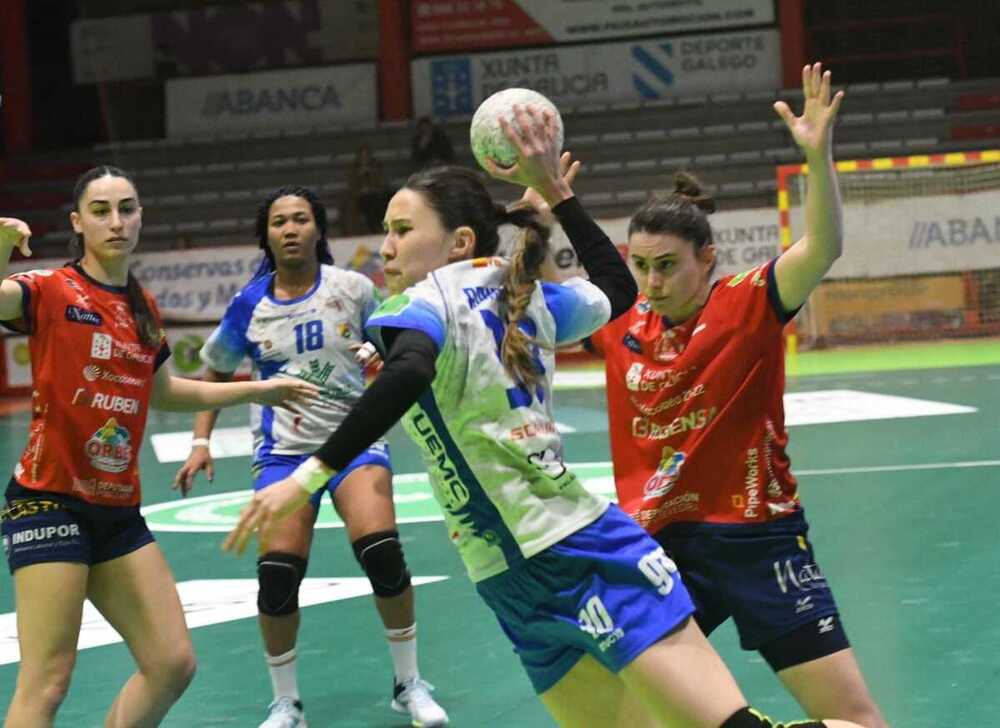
(110, 448)
(453, 493)
(79, 315)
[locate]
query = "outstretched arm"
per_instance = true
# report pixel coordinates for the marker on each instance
(800, 268)
(177, 394)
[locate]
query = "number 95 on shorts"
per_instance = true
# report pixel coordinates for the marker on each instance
(608, 590)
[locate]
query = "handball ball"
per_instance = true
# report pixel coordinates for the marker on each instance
(487, 138)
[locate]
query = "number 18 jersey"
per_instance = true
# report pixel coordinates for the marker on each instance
(307, 337)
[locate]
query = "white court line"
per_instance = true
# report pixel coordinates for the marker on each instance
(893, 468)
(846, 471)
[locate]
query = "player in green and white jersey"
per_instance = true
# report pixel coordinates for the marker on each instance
(594, 607)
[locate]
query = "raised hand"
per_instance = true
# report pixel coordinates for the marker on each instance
(813, 130)
(15, 233)
(567, 167)
(538, 162)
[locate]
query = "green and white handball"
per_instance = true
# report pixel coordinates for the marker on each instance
(487, 137)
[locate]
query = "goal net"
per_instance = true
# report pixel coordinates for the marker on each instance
(921, 255)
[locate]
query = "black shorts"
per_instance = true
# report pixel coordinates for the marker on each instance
(41, 528)
(766, 578)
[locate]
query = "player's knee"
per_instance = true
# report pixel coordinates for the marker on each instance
(50, 691)
(381, 556)
(750, 718)
(175, 671)
(279, 576)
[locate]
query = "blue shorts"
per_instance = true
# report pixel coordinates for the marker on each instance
(607, 590)
(278, 467)
(763, 576)
(41, 528)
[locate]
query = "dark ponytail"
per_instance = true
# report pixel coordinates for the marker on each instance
(684, 213)
(522, 274)
(146, 325)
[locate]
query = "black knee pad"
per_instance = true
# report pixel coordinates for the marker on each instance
(381, 556)
(279, 576)
(750, 718)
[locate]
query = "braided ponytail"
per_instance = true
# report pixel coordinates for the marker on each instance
(524, 271)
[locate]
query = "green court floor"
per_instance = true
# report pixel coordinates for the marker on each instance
(899, 513)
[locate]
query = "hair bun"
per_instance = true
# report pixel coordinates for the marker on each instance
(687, 186)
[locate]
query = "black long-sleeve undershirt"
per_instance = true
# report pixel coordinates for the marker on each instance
(408, 372)
(598, 256)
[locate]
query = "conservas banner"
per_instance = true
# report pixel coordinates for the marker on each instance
(457, 25)
(307, 97)
(196, 285)
(602, 73)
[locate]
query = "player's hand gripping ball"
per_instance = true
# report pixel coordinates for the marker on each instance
(485, 134)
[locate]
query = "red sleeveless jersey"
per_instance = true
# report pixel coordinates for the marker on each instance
(696, 415)
(92, 380)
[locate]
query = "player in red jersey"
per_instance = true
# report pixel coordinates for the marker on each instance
(695, 377)
(71, 526)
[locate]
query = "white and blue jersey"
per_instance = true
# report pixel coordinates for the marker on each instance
(490, 445)
(307, 337)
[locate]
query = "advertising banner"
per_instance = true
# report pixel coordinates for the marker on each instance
(602, 73)
(112, 49)
(743, 239)
(234, 38)
(307, 97)
(460, 25)
(919, 234)
(872, 308)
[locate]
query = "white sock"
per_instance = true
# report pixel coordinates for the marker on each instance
(284, 676)
(403, 648)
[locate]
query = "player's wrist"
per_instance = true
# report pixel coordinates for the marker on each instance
(199, 442)
(555, 192)
(312, 474)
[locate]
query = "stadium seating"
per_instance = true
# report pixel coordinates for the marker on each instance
(206, 188)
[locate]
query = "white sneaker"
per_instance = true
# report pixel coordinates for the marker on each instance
(285, 713)
(414, 697)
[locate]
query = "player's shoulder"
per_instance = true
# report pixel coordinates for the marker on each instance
(741, 284)
(352, 280)
(252, 292)
(475, 272)
(51, 276)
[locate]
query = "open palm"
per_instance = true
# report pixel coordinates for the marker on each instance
(813, 130)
